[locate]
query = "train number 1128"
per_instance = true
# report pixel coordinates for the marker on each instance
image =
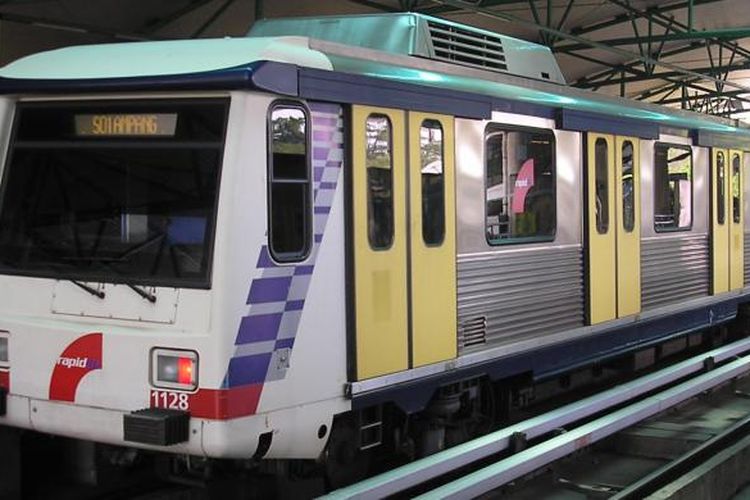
(170, 400)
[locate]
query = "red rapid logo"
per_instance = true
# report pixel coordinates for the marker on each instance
(80, 358)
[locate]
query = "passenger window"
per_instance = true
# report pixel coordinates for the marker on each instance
(601, 181)
(520, 191)
(628, 196)
(379, 163)
(433, 182)
(736, 187)
(673, 187)
(720, 194)
(289, 191)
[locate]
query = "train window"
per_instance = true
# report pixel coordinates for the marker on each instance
(720, 189)
(601, 181)
(379, 163)
(289, 184)
(113, 191)
(433, 183)
(628, 196)
(520, 193)
(673, 187)
(736, 187)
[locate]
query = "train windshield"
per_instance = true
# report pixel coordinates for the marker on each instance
(116, 191)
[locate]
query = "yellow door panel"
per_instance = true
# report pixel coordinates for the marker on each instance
(433, 238)
(720, 218)
(600, 228)
(379, 232)
(628, 209)
(736, 221)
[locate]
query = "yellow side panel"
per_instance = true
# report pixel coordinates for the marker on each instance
(601, 262)
(736, 232)
(628, 238)
(379, 275)
(719, 232)
(433, 268)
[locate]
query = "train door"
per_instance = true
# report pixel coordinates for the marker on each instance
(736, 231)
(612, 227)
(628, 195)
(720, 224)
(432, 238)
(379, 241)
(403, 248)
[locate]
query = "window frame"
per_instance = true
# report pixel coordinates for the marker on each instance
(392, 167)
(289, 258)
(205, 283)
(736, 214)
(492, 127)
(688, 228)
(443, 176)
(633, 185)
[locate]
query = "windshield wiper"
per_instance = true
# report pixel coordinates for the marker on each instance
(142, 292)
(93, 291)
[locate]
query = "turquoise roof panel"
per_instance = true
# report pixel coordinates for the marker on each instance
(139, 59)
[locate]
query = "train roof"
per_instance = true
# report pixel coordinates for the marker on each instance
(402, 60)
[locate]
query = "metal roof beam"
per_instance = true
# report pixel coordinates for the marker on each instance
(501, 16)
(74, 27)
(644, 76)
(719, 34)
(625, 18)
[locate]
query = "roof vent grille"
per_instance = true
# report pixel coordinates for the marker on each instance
(469, 48)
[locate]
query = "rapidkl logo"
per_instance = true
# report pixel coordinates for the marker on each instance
(79, 359)
(87, 363)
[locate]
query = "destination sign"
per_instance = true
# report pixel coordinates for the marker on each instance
(126, 125)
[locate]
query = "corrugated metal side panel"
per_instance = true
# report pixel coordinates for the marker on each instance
(520, 294)
(673, 269)
(747, 259)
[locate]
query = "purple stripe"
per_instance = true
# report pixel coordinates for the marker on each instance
(318, 238)
(318, 173)
(294, 305)
(302, 270)
(248, 369)
(322, 135)
(269, 290)
(325, 122)
(284, 343)
(264, 259)
(327, 185)
(322, 210)
(259, 328)
(320, 153)
(333, 164)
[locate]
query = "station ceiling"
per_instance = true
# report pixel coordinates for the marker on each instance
(685, 53)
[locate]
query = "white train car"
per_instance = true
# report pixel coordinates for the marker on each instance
(341, 235)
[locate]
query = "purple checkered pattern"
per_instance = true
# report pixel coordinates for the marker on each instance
(277, 297)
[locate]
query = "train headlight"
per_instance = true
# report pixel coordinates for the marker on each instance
(174, 369)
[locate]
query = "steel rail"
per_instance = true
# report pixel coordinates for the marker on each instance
(531, 459)
(434, 466)
(562, 34)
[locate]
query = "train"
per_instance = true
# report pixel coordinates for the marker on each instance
(342, 236)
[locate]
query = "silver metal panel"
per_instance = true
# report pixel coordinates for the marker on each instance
(701, 158)
(508, 289)
(674, 267)
(470, 184)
